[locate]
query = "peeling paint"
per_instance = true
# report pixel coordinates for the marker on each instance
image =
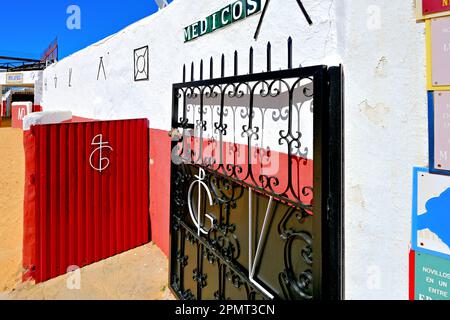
(375, 114)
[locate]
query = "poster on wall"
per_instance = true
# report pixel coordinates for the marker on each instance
(439, 131)
(430, 214)
(431, 277)
(438, 53)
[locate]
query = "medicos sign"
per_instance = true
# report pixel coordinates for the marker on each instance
(236, 11)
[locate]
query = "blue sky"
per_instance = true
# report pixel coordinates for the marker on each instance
(28, 26)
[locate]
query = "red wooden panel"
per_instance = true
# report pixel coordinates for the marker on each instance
(75, 214)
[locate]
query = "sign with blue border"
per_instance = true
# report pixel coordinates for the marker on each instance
(439, 131)
(431, 213)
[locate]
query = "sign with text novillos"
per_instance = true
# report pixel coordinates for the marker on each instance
(431, 277)
(234, 12)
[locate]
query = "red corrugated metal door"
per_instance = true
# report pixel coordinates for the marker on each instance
(86, 194)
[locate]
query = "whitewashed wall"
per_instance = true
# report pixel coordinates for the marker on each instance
(382, 50)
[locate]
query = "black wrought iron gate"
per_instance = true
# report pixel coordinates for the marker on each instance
(257, 180)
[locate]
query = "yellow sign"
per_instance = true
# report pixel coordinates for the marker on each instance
(438, 53)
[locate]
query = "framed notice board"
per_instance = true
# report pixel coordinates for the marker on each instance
(438, 53)
(430, 213)
(439, 131)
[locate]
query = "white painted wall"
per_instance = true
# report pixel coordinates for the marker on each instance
(385, 103)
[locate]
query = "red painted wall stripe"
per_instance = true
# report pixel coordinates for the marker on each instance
(412, 275)
(75, 215)
(160, 154)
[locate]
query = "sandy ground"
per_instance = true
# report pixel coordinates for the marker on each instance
(141, 273)
(11, 206)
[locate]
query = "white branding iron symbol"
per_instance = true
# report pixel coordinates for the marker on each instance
(197, 221)
(98, 141)
(253, 261)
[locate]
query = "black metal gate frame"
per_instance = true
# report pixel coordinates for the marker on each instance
(328, 266)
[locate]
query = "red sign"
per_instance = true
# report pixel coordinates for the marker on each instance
(435, 6)
(17, 115)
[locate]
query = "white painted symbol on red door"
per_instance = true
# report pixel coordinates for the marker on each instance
(103, 162)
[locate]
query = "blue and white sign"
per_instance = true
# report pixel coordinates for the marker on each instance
(14, 78)
(431, 213)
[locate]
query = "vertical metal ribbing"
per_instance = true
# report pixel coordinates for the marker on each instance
(63, 198)
(54, 194)
(89, 243)
(120, 182)
(72, 175)
(77, 214)
(82, 182)
(104, 182)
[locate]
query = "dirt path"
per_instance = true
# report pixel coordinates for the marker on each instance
(11, 206)
(141, 273)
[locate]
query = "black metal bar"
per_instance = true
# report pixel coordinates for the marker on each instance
(302, 7)
(292, 73)
(184, 73)
(175, 109)
(250, 63)
(269, 57)
(18, 59)
(236, 63)
(320, 159)
(261, 19)
(290, 53)
(222, 74)
(192, 71)
(211, 68)
(335, 231)
(201, 70)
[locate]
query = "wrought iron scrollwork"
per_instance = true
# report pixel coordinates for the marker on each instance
(247, 142)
